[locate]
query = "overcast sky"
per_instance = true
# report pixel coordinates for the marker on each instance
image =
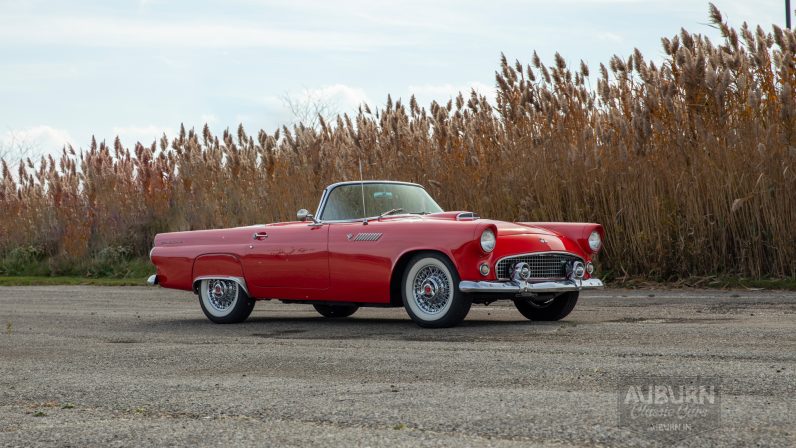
(69, 70)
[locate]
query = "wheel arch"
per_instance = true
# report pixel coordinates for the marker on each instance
(218, 266)
(400, 266)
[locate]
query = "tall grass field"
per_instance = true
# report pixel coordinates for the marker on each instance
(688, 163)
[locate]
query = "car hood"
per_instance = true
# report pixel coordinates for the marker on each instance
(503, 227)
(513, 228)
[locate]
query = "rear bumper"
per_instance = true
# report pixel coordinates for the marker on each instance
(512, 287)
(152, 280)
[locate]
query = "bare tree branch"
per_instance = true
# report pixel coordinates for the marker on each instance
(15, 149)
(310, 107)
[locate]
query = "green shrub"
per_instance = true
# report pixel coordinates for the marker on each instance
(24, 260)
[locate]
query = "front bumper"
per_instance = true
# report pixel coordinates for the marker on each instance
(521, 287)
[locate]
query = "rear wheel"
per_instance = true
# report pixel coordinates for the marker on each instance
(430, 291)
(224, 301)
(554, 309)
(333, 311)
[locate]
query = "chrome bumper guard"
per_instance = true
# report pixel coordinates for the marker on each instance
(522, 287)
(152, 280)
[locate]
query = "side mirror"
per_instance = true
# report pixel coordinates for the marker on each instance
(304, 215)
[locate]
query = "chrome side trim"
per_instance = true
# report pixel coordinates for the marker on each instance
(367, 236)
(152, 280)
(562, 252)
(522, 287)
(239, 280)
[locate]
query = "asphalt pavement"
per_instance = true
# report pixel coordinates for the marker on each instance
(130, 366)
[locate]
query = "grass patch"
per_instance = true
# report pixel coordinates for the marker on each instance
(45, 281)
(707, 283)
(774, 283)
(110, 262)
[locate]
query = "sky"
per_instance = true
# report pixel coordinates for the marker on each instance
(138, 69)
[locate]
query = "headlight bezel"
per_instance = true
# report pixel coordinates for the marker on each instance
(488, 244)
(595, 241)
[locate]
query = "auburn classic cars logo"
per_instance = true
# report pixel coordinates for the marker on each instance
(669, 408)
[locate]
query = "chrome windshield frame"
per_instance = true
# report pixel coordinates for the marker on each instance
(328, 191)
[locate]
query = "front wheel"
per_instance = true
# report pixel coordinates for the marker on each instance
(333, 311)
(430, 291)
(224, 301)
(555, 309)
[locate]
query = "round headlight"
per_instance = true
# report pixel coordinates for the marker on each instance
(595, 241)
(488, 240)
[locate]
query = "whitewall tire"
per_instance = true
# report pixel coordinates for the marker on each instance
(430, 291)
(224, 301)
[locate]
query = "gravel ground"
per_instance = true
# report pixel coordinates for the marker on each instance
(138, 366)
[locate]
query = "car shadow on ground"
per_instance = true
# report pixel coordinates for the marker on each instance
(353, 328)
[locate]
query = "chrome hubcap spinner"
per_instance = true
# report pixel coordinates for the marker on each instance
(221, 294)
(432, 289)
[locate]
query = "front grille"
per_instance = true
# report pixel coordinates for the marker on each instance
(543, 266)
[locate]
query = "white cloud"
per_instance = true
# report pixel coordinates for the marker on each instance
(209, 119)
(304, 105)
(129, 135)
(33, 141)
(60, 54)
(341, 96)
(425, 93)
(608, 36)
(125, 32)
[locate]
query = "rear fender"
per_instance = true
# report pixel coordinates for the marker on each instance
(220, 266)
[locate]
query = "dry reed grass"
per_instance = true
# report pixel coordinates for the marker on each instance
(689, 164)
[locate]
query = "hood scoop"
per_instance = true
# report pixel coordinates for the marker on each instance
(467, 216)
(455, 216)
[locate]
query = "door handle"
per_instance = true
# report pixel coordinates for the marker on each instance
(260, 235)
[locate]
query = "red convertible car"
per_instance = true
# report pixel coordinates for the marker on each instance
(388, 244)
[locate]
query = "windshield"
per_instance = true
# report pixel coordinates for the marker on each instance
(345, 202)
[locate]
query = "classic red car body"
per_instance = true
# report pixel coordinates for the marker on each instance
(346, 261)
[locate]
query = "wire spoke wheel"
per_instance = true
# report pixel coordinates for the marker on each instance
(224, 300)
(430, 291)
(222, 295)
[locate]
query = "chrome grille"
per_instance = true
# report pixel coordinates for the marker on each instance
(543, 266)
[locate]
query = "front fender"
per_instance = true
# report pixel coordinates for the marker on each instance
(576, 231)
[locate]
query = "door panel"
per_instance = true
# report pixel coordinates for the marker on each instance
(360, 262)
(288, 260)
